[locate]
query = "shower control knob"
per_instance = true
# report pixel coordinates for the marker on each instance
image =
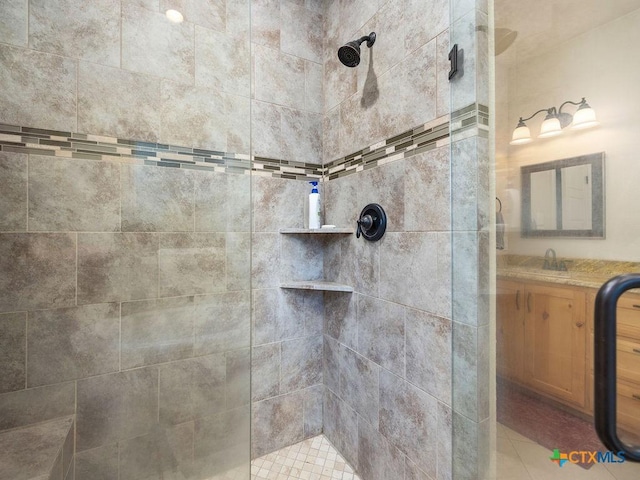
(372, 223)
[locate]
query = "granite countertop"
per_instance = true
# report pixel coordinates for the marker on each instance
(576, 279)
(582, 272)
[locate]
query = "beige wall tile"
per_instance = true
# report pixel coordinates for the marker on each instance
(73, 195)
(408, 418)
(139, 456)
(443, 91)
(301, 31)
(222, 322)
(192, 389)
(266, 129)
(425, 21)
(116, 406)
(238, 122)
(207, 14)
(118, 103)
(191, 263)
(279, 77)
(13, 195)
(70, 343)
(193, 116)
(238, 260)
(101, 462)
(222, 61)
(313, 87)
(36, 405)
(302, 136)
(117, 267)
(238, 378)
(265, 22)
(429, 353)
(427, 190)
(278, 203)
(14, 19)
(13, 353)
(157, 199)
(152, 44)
(276, 423)
(77, 29)
(156, 331)
(39, 270)
(39, 89)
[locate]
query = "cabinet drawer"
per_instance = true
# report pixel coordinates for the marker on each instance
(629, 323)
(628, 361)
(629, 406)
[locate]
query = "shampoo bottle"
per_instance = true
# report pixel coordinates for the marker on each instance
(314, 206)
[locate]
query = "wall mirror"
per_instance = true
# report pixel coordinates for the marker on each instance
(564, 198)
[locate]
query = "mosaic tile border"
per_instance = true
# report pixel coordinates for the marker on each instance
(434, 134)
(417, 140)
(37, 141)
(411, 142)
(473, 117)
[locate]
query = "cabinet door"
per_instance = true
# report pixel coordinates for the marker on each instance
(510, 330)
(555, 346)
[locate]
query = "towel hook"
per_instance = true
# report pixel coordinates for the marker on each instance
(499, 203)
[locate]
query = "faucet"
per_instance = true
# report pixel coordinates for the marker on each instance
(550, 254)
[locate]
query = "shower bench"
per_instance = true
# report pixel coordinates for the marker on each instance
(42, 451)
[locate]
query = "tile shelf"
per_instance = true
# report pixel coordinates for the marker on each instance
(317, 285)
(321, 231)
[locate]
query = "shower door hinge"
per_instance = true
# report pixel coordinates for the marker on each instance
(456, 61)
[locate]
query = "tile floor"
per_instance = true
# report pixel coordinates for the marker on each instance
(312, 459)
(519, 458)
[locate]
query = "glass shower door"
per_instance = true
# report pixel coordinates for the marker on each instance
(563, 154)
(125, 240)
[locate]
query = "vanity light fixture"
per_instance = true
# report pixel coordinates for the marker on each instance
(555, 121)
(174, 16)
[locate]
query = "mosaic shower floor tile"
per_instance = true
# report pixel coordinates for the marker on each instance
(312, 459)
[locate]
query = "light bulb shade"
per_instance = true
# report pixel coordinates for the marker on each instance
(550, 127)
(174, 16)
(585, 117)
(521, 135)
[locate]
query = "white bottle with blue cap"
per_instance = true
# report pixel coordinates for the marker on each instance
(314, 206)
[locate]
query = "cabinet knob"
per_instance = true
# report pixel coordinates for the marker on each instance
(579, 324)
(635, 396)
(636, 350)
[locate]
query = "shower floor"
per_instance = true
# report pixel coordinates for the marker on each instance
(312, 459)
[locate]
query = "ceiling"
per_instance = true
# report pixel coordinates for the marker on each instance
(542, 24)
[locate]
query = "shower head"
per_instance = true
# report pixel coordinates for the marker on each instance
(349, 54)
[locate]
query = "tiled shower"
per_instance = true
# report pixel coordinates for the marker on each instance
(147, 169)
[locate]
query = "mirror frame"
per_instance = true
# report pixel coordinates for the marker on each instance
(596, 160)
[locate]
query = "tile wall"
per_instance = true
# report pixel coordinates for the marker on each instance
(387, 347)
(473, 284)
(286, 45)
(287, 324)
(126, 284)
(124, 305)
(372, 369)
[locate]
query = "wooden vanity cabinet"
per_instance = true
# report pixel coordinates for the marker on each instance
(628, 360)
(555, 342)
(541, 335)
(510, 330)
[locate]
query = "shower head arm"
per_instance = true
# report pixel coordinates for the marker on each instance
(370, 39)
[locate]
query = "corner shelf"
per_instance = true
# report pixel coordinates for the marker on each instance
(317, 285)
(320, 231)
